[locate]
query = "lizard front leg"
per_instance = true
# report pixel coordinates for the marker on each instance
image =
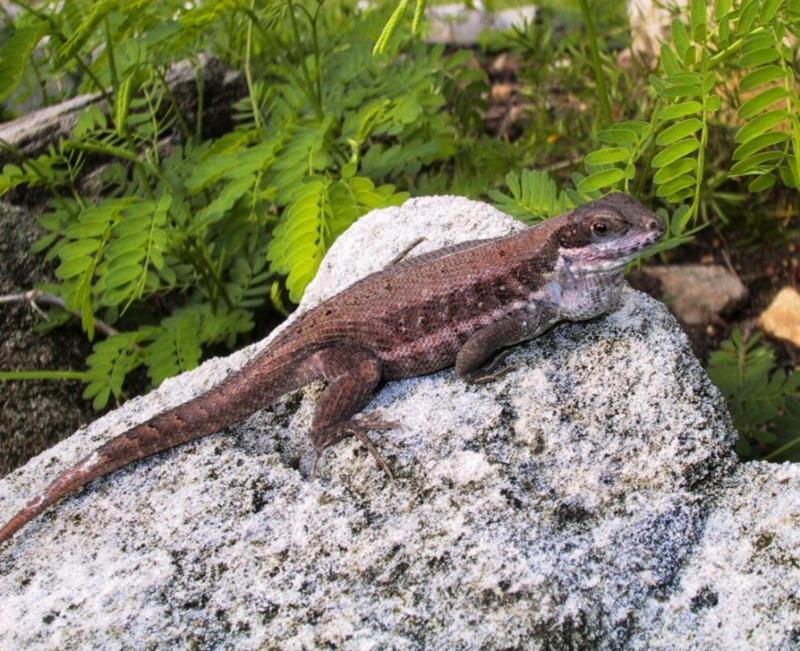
(352, 375)
(473, 359)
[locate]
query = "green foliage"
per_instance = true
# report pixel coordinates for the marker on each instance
(15, 55)
(738, 39)
(764, 401)
(664, 152)
(534, 197)
(183, 246)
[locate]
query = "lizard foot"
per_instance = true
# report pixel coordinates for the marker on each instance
(357, 427)
(491, 371)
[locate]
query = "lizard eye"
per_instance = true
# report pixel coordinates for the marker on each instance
(601, 229)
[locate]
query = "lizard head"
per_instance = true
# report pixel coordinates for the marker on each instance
(606, 234)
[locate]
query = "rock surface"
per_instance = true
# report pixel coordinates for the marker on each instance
(458, 24)
(698, 293)
(782, 318)
(590, 498)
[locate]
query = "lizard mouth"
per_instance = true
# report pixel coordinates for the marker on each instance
(611, 259)
(621, 258)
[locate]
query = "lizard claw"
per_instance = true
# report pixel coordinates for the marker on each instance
(491, 372)
(357, 427)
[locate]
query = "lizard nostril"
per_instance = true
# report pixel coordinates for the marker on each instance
(655, 225)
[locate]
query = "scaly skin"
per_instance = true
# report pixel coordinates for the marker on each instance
(455, 306)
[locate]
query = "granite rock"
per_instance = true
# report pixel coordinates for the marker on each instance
(589, 498)
(697, 293)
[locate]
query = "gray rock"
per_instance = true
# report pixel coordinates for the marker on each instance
(698, 293)
(39, 129)
(588, 498)
(459, 24)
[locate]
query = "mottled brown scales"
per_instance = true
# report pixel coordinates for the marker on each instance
(458, 306)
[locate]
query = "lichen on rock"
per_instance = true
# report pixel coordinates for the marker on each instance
(583, 500)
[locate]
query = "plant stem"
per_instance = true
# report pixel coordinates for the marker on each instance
(182, 123)
(784, 448)
(701, 153)
(35, 296)
(316, 101)
(206, 262)
(6, 376)
(257, 117)
(40, 80)
(112, 64)
(315, 41)
(602, 92)
(30, 161)
(201, 91)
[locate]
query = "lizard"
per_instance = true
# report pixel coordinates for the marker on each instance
(460, 305)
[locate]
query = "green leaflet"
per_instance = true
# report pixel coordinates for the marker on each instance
(748, 15)
(762, 183)
(678, 131)
(760, 124)
(676, 185)
(601, 179)
(770, 10)
(675, 151)
(761, 76)
(607, 156)
(758, 143)
(723, 8)
(761, 101)
(679, 110)
(698, 19)
(534, 196)
(680, 37)
(15, 55)
(756, 163)
(761, 57)
(672, 170)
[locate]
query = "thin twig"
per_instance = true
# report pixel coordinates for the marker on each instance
(34, 297)
(405, 251)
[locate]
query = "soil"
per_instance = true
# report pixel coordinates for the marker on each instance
(34, 415)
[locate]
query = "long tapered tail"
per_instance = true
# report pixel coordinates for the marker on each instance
(256, 385)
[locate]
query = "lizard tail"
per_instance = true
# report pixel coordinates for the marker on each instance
(242, 394)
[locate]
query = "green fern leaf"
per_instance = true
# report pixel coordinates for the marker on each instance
(176, 345)
(85, 29)
(110, 362)
(15, 56)
(534, 196)
(136, 246)
(82, 250)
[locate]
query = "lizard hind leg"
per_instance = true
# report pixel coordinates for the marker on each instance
(352, 375)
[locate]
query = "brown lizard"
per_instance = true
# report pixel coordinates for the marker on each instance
(457, 305)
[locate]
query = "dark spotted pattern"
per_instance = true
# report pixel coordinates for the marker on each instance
(418, 316)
